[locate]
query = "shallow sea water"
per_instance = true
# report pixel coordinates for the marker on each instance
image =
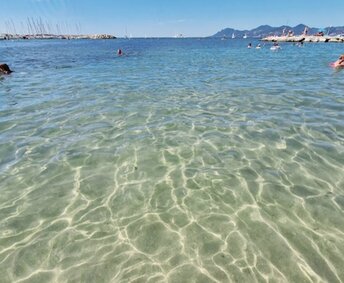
(187, 160)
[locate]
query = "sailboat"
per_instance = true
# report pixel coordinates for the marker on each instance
(126, 34)
(245, 36)
(233, 35)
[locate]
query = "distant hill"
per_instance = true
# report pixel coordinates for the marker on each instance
(266, 30)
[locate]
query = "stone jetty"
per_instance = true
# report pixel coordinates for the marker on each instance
(55, 36)
(305, 38)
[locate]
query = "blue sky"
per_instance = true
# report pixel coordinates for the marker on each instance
(166, 17)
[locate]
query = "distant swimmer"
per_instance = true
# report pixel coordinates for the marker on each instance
(119, 52)
(275, 47)
(339, 63)
(249, 45)
(258, 46)
(5, 69)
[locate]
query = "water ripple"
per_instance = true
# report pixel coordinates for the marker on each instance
(187, 160)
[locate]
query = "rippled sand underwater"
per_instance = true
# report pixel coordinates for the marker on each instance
(177, 163)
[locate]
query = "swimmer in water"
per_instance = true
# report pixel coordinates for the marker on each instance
(119, 52)
(339, 63)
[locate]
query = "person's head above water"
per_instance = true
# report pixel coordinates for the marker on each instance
(5, 69)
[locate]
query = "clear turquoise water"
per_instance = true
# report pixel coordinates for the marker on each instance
(185, 161)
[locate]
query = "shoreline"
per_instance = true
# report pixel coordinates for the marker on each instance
(273, 38)
(305, 38)
(55, 36)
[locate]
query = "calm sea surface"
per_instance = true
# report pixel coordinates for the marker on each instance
(187, 160)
